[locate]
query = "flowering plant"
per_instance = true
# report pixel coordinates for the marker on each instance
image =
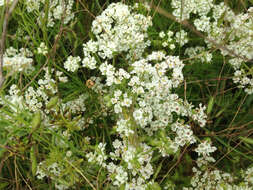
(127, 103)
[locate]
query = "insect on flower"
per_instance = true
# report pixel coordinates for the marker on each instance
(90, 83)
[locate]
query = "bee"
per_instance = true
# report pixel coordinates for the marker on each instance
(90, 83)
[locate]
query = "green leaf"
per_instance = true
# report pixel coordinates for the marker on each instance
(36, 120)
(247, 140)
(52, 103)
(3, 185)
(33, 160)
(210, 105)
(158, 170)
(220, 20)
(154, 186)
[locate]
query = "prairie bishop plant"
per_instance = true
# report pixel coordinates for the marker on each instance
(222, 26)
(110, 95)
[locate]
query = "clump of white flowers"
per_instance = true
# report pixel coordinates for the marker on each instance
(183, 10)
(140, 95)
(99, 156)
(221, 24)
(199, 53)
(35, 98)
(56, 10)
(205, 148)
(206, 177)
(117, 30)
(42, 49)
(72, 63)
(15, 60)
(56, 168)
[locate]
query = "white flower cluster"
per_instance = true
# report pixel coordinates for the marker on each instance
(241, 77)
(56, 171)
(17, 60)
(99, 156)
(56, 10)
(181, 37)
(135, 92)
(124, 127)
(36, 98)
(75, 106)
(113, 76)
(42, 49)
(141, 96)
(151, 85)
(72, 63)
(248, 176)
(221, 25)
(167, 39)
(118, 29)
(204, 149)
(2, 2)
(182, 10)
(15, 100)
(207, 178)
(184, 135)
(138, 162)
(200, 53)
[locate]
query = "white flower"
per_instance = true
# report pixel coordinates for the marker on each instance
(69, 153)
(138, 114)
(172, 46)
(72, 63)
(205, 148)
(165, 44)
(127, 102)
(17, 60)
(181, 37)
(162, 34)
(118, 29)
(42, 49)
(117, 108)
(124, 128)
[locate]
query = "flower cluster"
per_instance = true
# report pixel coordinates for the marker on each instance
(99, 156)
(42, 49)
(56, 10)
(170, 38)
(120, 115)
(221, 24)
(200, 53)
(205, 149)
(58, 169)
(33, 96)
(72, 63)
(118, 29)
(141, 97)
(207, 178)
(16, 60)
(183, 10)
